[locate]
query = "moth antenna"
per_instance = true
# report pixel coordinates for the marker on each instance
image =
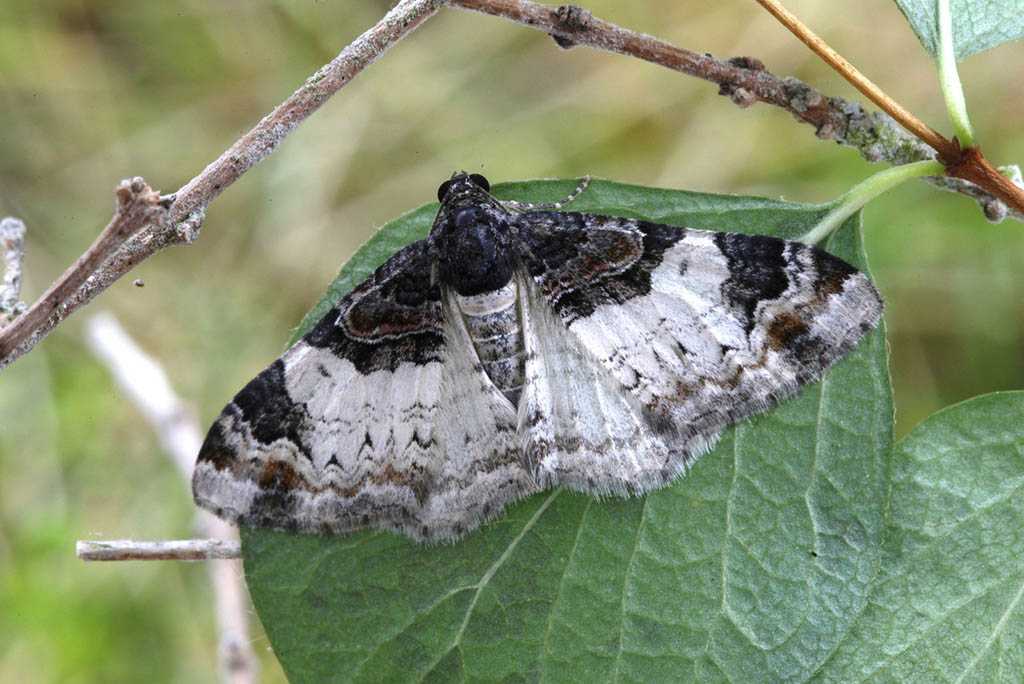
(530, 206)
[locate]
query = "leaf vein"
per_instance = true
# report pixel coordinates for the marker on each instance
(489, 574)
(561, 584)
(996, 631)
(625, 583)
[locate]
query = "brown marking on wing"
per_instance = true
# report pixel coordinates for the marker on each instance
(280, 476)
(402, 478)
(785, 328)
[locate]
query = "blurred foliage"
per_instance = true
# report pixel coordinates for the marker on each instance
(96, 91)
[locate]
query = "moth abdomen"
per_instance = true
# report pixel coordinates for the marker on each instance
(492, 320)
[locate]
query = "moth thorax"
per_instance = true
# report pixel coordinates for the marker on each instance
(492, 319)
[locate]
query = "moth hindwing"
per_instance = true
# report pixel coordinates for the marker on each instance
(519, 348)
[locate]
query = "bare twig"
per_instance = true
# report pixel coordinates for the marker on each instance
(745, 81)
(145, 383)
(182, 550)
(12, 246)
(939, 143)
(967, 163)
(145, 223)
(137, 207)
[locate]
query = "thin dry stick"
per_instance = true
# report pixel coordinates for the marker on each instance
(144, 223)
(181, 550)
(940, 144)
(139, 228)
(745, 81)
(969, 164)
(144, 382)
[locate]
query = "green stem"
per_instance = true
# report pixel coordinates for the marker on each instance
(949, 78)
(865, 191)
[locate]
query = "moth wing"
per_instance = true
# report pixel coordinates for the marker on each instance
(577, 425)
(694, 330)
(378, 418)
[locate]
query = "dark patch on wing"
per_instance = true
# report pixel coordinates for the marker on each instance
(274, 508)
(582, 261)
(832, 272)
(659, 422)
(393, 317)
(268, 409)
(757, 271)
(789, 334)
(215, 449)
(813, 354)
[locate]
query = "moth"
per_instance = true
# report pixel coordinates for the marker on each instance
(518, 349)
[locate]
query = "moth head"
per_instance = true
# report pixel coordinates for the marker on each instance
(462, 183)
(470, 239)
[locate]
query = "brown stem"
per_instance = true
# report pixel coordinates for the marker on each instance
(571, 25)
(145, 223)
(264, 138)
(946, 149)
(968, 164)
(745, 81)
(972, 166)
(137, 206)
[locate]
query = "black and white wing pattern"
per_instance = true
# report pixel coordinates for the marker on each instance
(516, 350)
(647, 340)
(380, 417)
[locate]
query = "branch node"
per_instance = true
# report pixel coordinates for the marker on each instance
(130, 189)
(187, 231)
(571, 19)
(972, 166)
(741, 97)
(995, 210)
(138, 205)
(745, 62)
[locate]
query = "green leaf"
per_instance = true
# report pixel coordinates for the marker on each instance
(751, 567)
(977, 24)
(947, 605)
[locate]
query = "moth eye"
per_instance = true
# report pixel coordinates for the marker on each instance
(442, 190)
(480, 181)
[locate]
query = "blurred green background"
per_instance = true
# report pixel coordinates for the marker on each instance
(92, 92)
